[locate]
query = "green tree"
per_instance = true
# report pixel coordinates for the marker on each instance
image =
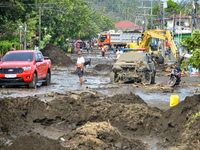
(193, 44)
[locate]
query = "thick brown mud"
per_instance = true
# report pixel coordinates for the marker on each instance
(92, 121)
(57, 56)
(100, 115)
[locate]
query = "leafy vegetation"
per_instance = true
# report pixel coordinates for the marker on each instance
(66, 19)
(197, 115)
(192, 44)
(45, 41)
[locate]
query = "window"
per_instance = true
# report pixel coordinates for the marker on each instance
(38, 56)
(103, 37)
(181, 23)
(18, 57)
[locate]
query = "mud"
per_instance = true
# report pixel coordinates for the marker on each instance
(35, 142)
(103, 67)
(173, 124)
(122, 113)
(100, 115)
(100, 136)
(58, 57)
(22, 115)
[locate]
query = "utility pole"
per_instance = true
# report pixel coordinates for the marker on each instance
(174, 22)
(159, 15)
(151, 14)
(195, 14)
(39, 24)
(164, 6)
(25, 30)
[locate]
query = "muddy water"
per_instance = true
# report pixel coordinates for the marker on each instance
(63, 80)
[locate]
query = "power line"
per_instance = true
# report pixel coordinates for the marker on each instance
(32, 4)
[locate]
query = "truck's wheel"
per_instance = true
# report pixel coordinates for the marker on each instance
(161, 60)
(112, 77)
(47, 80)
(153, 78)
(33, 83)
(147, 77)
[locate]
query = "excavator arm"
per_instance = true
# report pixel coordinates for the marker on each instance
(172, 44)
(160, 34)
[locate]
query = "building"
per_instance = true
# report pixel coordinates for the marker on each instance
(127, 25)
(182, 23)
(183, 26)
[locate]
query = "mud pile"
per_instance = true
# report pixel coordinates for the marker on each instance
(99, 135)
(176, 124)
(132, 112)
(17, 112)
(95, 120)
(57, 56)
(103, 67)
(161, 67)
(35, 142)
(20, 116)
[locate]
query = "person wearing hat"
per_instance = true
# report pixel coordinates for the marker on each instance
(153, 57)
(79, 67)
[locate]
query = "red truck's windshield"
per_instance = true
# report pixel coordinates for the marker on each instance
(18, 57)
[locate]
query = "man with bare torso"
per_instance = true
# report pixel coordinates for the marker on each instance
(79, 67)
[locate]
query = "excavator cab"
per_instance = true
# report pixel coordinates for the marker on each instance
(154, 45)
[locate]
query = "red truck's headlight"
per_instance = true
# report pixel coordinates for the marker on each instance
(27, 68)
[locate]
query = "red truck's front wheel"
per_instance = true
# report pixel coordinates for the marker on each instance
(47, 80)
(33, 83)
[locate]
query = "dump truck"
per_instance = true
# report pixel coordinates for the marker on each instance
(111, 38)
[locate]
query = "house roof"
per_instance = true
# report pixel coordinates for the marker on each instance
(127, 25)
(178, 16)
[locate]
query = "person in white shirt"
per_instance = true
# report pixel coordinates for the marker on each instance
(118, 53)
(79, 67)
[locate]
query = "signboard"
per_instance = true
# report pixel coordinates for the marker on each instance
(194, 71)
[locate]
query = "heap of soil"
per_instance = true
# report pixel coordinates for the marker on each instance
(173, 122)
(99, 135)
(128, 113)
(35, 142)
(21, 115)
(161, 67)
(15, 113)
(103, 67)
(58, 57)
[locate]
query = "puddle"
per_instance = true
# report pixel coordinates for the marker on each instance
(61, 82)
(165, 97)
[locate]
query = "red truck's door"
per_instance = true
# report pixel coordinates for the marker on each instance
(41, 67)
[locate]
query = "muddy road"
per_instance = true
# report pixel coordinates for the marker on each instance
(99, 114)
(96, 78)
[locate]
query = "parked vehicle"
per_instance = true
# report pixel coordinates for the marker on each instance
(136, 67)
(112, 38)
(25, 67)
(175, 77)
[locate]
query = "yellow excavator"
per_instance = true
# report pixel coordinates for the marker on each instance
(149, 40)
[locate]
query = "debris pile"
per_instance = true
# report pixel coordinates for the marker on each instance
(100, 135)
(58, 57)
(35, 142)
(103, 67)
(176, 124)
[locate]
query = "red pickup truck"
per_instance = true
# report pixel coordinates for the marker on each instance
(25, 67)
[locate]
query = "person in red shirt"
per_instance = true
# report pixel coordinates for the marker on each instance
(103, 51)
